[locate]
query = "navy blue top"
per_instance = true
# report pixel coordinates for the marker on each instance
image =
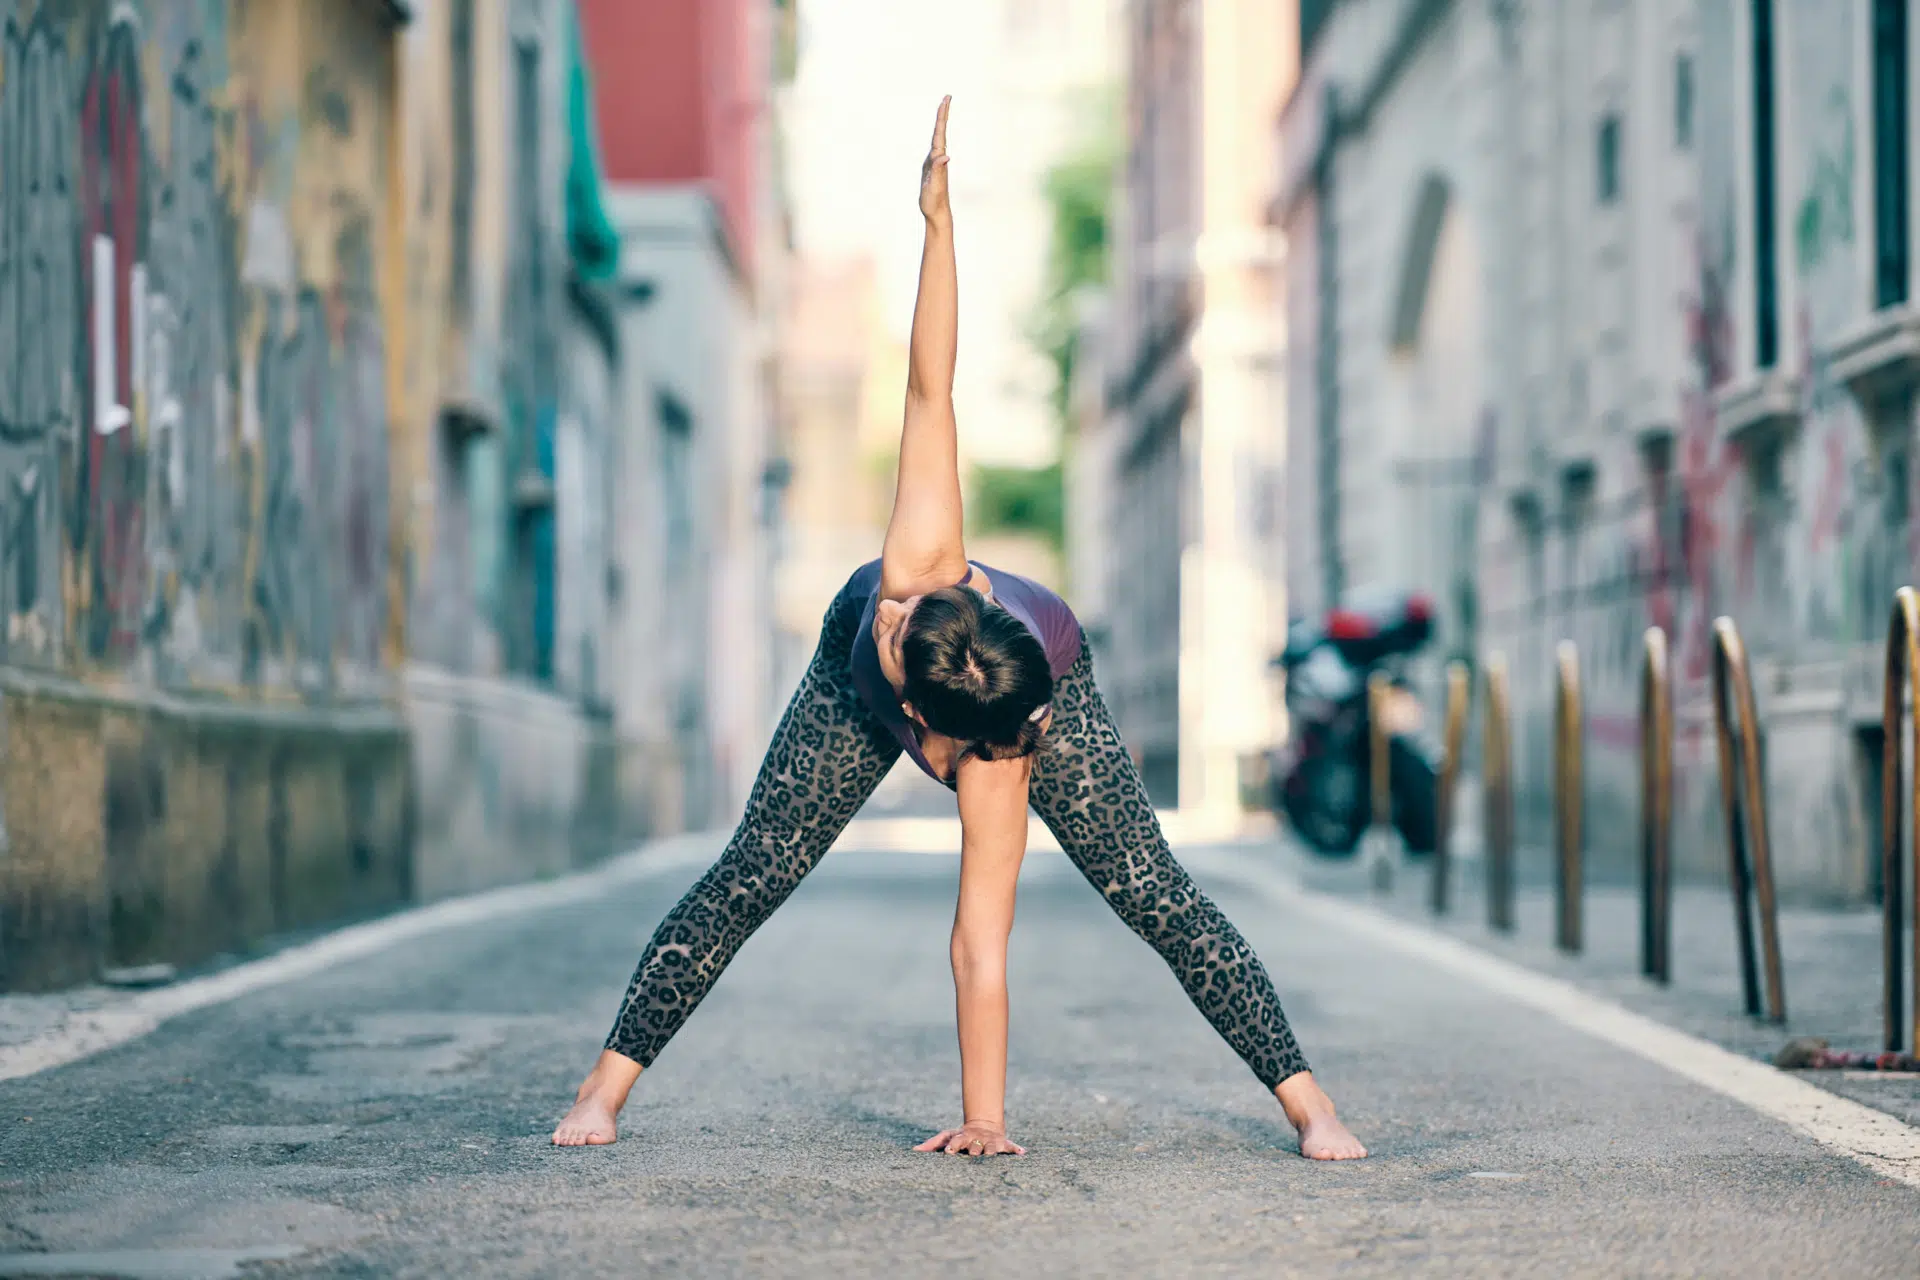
(1042, 612)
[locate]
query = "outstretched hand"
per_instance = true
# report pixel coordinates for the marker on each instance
(933, 171)
(974, 1139)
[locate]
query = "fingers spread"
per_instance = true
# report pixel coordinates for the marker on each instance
(937, 1141)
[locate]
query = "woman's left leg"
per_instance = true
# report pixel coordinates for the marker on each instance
(1087, 791)
(827, 756)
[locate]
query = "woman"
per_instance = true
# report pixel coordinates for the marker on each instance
(984, 679)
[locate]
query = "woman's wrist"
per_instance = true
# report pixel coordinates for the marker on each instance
(997, 1126)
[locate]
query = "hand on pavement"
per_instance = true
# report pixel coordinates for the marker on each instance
(973, 1139)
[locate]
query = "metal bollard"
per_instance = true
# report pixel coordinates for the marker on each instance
(1459, 699)
(1569, 795)
(1656, 811)
(1379, 780)
(1744, 803)
(1903, 677)
(1380, 771)
(1497, 781)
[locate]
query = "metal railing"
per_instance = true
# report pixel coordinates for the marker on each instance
(1743, 799)
(1379, 756)
(1569, 795)
(1656, 810)
(1743, 805)
(1497, 791)
(1459, 705)
(1898, 807)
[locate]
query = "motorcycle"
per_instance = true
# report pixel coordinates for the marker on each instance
(1323, 774)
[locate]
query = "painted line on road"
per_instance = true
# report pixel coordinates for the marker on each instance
(1877, 1140)
(85, 1033)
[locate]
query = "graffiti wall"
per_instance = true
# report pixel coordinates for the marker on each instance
(194, 397)
(1799, 530)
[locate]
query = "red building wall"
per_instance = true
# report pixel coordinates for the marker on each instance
(680, 94)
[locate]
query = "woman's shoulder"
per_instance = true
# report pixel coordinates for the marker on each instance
(1047, 615)
(866, 579)
(1018, 586)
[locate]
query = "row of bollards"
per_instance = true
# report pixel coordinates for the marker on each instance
(1743, 808)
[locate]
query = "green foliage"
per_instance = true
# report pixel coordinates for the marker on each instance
(1078, 190)
(1019, 500)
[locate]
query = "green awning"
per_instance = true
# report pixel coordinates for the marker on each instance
(590, 235)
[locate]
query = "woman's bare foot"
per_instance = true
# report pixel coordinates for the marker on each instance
(602, 1094)
(1310, 1110)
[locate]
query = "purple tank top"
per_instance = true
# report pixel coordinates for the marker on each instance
(1043, 613)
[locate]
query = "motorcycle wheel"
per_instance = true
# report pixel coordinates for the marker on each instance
(1416, 798)
(1324, 829)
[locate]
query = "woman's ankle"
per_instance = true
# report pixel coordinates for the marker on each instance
(611, 1079)
(1302, 1098)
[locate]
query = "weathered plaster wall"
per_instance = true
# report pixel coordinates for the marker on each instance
(1618, 489)
(194, 464)
(507, 440)
(197, 575)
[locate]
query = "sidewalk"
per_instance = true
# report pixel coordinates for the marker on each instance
(1831, 958)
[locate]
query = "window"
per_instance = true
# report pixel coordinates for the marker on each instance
(1608, 154)
(1313, 16)
(1683, 101)
(1766, 300)
(676, 477)
(460, 41)
(1890, 231)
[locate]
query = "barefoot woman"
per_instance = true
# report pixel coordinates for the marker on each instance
(984, 679)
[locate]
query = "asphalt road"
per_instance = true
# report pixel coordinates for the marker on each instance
(389, 1116)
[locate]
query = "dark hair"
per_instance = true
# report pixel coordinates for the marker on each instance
(975, 673)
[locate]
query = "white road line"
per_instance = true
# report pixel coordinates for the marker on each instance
(1877, 1140)
(89, 1032)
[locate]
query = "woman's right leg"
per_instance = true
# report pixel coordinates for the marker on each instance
(826, 758)
(1087, 791)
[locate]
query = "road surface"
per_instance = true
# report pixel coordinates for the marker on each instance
(387, 1113)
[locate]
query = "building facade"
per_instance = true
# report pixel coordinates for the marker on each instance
(198, 568)
(504, 452)
(1603, 319)
(691, 151)
(320, 567)
(1180, 469)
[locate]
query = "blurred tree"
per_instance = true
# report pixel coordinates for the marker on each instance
(1026, 500)
(1077, 189)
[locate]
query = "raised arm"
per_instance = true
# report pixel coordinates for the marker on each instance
(923, 550)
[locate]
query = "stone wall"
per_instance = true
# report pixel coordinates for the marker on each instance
(150, 828)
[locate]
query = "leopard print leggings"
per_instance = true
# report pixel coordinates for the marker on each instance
(826, 758)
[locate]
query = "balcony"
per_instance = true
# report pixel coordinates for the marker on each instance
(1879, 358)
(1759, 409)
